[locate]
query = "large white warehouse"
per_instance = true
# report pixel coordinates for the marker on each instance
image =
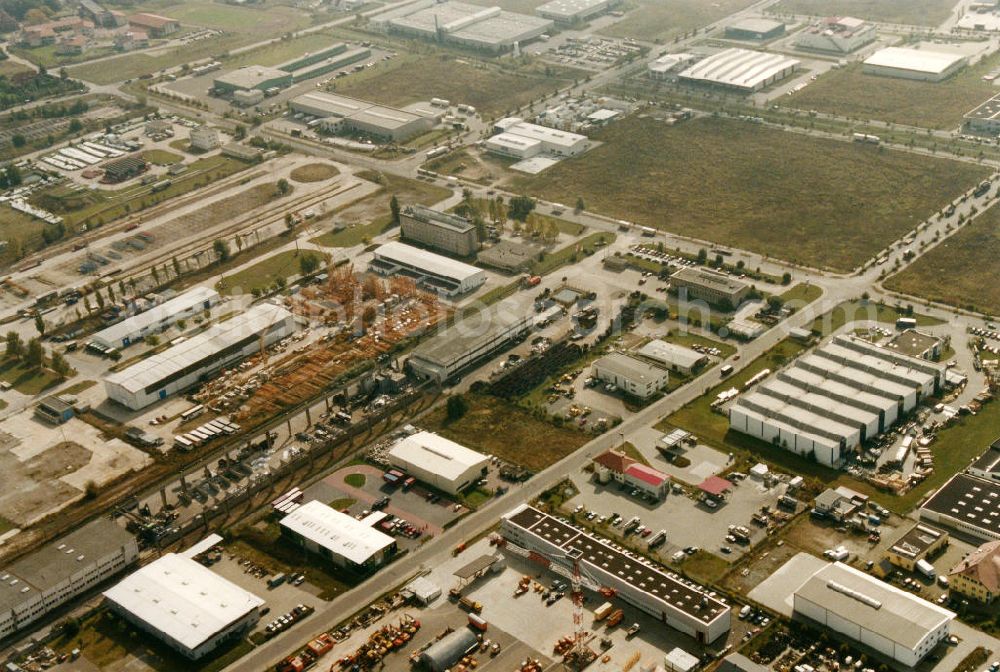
(907, 63)
(156, 319)
(462, 345)
(434, 272)
(197, 358)
(438, 462)
(523, 140)
(741, 69)
(341, 539)
(184, 604)
(895, 623)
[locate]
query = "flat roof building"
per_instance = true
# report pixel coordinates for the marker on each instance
(488, 28)
(251, 77)
(985, 118)
(185, 605)
(631, 375)
(458, 347)
(439, 230)
(434, 272)
(673, 600)
(341, 539)
(897, 624)
(743, 70)
(438, 462)
(967, 505)
(909, 63)
(755, 29)
(199, 357)
(987, 465)
(661, 67)
(836, 35)
(343, 113)
(710, 286)
(154, 24)
(572, 11)
(522, 140)
(915, 343)
(155, 320)
(919, 542)
(672, 356)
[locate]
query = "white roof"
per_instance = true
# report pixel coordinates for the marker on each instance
(206, 344)
(742, 68)
(668, 62)
(433, 264)
(569, 7)
(182, 599)
(680, 660)
(545, 134)
(918, 60)
(165, 313)
(437, 455)
(511, 142)
(341, 534)
(671, 353)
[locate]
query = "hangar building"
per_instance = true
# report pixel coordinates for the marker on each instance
(836, 35)
(438, 462)
(743, 70)
(491, 29)
(755, 29)
(345, 114)
(907, 63)
(337, 537)
(443, 275)
(153, 321)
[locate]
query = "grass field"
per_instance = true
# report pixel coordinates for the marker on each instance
(263, 274)
(858, 311)
(802, 294)
(490, 88)
(355, 480)
(497, 427)
(961, 271)
(5, 525)
(9, 68)
(314, 172)
(572, 252)
(161, 157)
(21, 227)
(27, 380)
(756, 188)
(918, 12)
(658, 20)
(851, 93)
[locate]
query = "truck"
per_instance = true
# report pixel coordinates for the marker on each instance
(530, 281)
(658, 539)
(982, 188)
(470, 605)
(726, 369)
(615, 618)
(440, 102)
(631, 524)
(603, 611)
(276, 580)
(478, 622)
(927, 569)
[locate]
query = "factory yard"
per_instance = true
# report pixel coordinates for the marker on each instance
(757, 188)
(918, 12)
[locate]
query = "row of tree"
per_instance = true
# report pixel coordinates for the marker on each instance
(32, 354)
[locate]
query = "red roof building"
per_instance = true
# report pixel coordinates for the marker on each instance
(716, 486)
(615, 465)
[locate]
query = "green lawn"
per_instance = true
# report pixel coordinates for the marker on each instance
(572, 252)
(688, 339)
(802, 294)
(961, 271)
(264, 273)
(22, 228)
(355, 480)
(658, 20)
(864, 311)
(78, 387)
(920, 12)
(342, 503)
(161, 157)
(756, 188)
(47, 57)
(6, 525)
(281, 52)
(26, 380)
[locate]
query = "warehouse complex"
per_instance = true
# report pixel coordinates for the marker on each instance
(519, 139)
(248, 78)
(987, 465)
(439, 230)
(968, 505)
(458, 347)
(897, 624)
(836, 35)
(341, 539)
(62, 569)
(433, 272)
(438, 462)
(197, 358)
(631, 375)
(672, 356)
(664, 66)
(919, 542)
(155, 320)
(677, 602)
(342, 114)
(907, 63)
(185, 605)
(741, 70)
(710, 286)
(573, 11)
(755, 29)
(487, 28)
(985, 118)
(835, 398)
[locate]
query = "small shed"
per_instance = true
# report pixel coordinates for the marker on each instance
(422, 590)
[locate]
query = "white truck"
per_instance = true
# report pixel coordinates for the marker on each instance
(927, 569)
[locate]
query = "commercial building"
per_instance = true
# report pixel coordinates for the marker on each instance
(458, 347)
(127, 167)
(836, 35)
(204, 138)
(573, 11)
(967, 505)
(741, 70)
(56, 409)
(907, 63)
(198, 358)
(433, 272)
(154, 25)
(438, 462)
(895, 623)
(662, 67)
(252, 77)
(710, 286)
(977, 576)
(342, 114)
(522, 140)
(614, 465)
(439, 230)
(985, 118)
(185, 605)
(672, 356)
(673, 600)
(918, 543)
(630, 375)
(488, 28)
(62, 569)
(915, 343)
(841, 504)
(830, 401)
(755, 29)
(155, 320)
(987, 465)
(341, 539)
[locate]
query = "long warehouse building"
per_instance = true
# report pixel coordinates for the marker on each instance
(831, 401)
(155, 320)
(469, 341)
(342, 540)
(744, 70)
(439, 462)
(338, 114)
(198, 358)
(651, 588)
(432, 271)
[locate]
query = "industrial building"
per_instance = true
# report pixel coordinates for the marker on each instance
(199, 357)
(522, 140)
(711, 286)
(895, 623)
(439, 230)
(204, 138)
(438, 462)
(573, 11)
(830, 401)
(987, 465)
(487, 28)
(918, 543)
(741, 70)
(836, 35)
(341, 539)
(53, 575)
(908, 63)
(755, 29)
(340, 114)
(614, 465)
(662, 67)
(250, 77)
(185, 605)
(977, 576)
(631, 375)
(154, 25)
(677, 602)
(672, 356)
(444, 653)
(966, 505)
(155, 320)
(125, 168)
(985, 118)
(916, 344)
(456, 348)
(433, 272)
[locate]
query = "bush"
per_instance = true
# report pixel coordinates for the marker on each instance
(457, 407)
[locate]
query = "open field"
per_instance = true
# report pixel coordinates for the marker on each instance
(490, 88)
(25, 379)
(858, 311)
(961, 270)
(24, 229)
(264, 274)
(314, 172)
(9, 68)
(756, 188)
(280, 52)
(161, 157)
(657, 20)
(919, 12)
(851, 93)
(497, 427)
(802, 294)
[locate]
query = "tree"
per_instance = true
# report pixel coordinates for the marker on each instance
(40, 325)
(580, 205)
(284, 188)
(75, 125)
(18, 140)
(702, 255)
(100, 299)
(15, 346)
(289, 222)
(35, 354)
(221, 249)
(153, 340)
(177, 269)
(786, 278)
(457, 407)
(394, 209)
(775, 302)
(60, 365)
(308, 263)
(13, 174)
(239, 132)
(520, 207)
